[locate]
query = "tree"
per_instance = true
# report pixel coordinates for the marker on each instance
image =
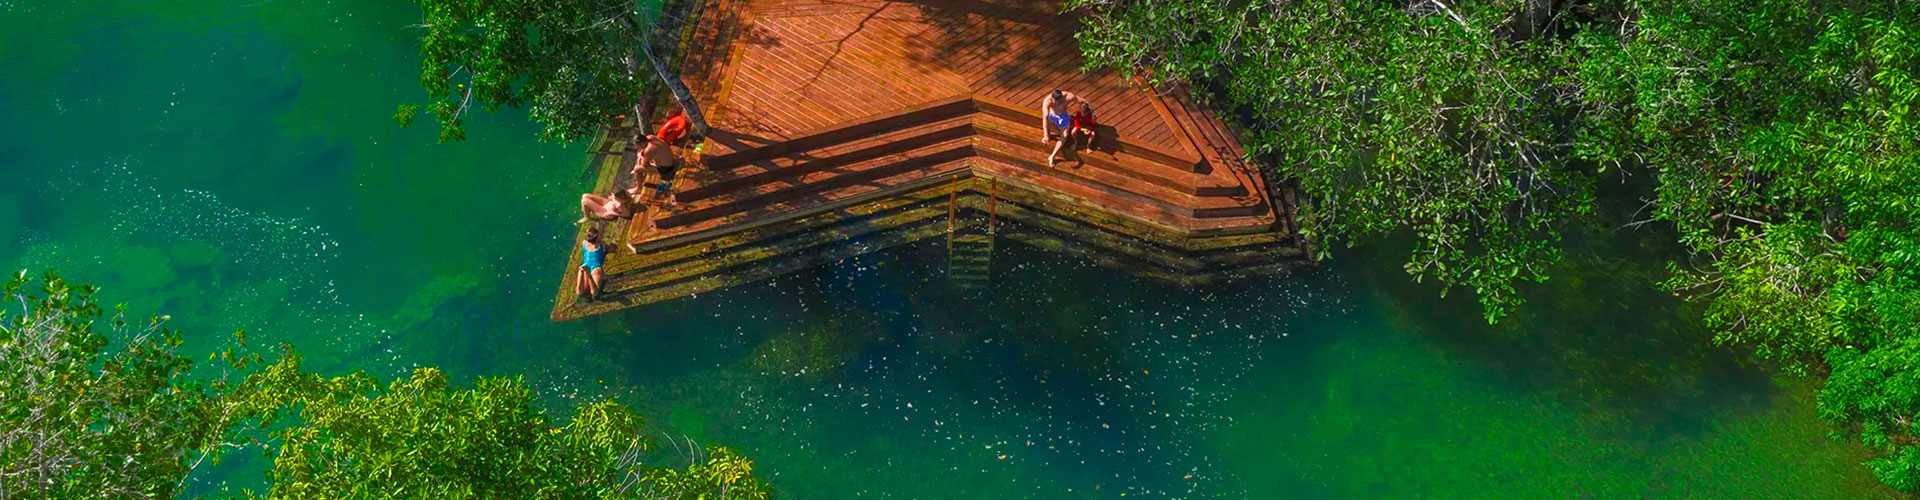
(1784, 137)
(1777, 139)
(85, 414)
(574, 64)
(419, 437)
(92, 414)
(1449, 121)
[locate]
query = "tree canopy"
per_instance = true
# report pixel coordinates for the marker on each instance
(1775, 139)
(574, 65)
(1438, 120)
(93, 406)
(92, 414)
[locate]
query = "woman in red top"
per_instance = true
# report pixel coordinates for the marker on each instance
(1083, 125)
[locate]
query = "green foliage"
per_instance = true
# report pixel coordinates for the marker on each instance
(1438, 121)
(1877, 393)
(92, 406)
(1779, 137)
(85, 414)
(1783, 135)
(724, 476)
(420, 437)
(572, 63)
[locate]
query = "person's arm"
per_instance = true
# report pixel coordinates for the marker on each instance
(1043, 118)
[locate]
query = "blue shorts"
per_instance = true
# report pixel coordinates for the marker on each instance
(1061, 121)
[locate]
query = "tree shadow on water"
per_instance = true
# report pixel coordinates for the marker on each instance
(1598, 335)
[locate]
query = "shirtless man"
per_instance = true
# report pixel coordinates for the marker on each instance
(655, 155)
(1057, 111)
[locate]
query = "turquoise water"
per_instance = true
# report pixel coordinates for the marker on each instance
(233, 164)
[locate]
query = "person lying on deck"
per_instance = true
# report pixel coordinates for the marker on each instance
(1055, 112)
(593, 256)
(1083, 126)
(616, 205)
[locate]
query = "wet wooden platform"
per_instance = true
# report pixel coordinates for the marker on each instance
(846, 126)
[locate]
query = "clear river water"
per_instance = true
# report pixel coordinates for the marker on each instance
(234, 164)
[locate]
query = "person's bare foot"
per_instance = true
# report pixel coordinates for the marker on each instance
(1050, 160)
(583, 220)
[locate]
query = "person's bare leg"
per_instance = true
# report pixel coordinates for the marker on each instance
(597, 276)
(666, 186)
(666, 191)
(1057, 147)
(592, 206)
(581, 286)
(639, 173)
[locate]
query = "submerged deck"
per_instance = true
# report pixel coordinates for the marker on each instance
(879, 123)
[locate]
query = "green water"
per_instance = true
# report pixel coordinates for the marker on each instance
(233, 164)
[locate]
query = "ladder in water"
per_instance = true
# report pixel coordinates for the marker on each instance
(970, 246)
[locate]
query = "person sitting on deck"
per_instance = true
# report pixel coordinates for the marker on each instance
(655, 155)
(675, 128)
(1055, 113)
(1083, 126)
(618, 204)
(593, 256)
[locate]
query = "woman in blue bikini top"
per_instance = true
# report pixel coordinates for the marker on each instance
(593, 256)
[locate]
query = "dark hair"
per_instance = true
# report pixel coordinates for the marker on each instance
(593, 235)
(1057, 94)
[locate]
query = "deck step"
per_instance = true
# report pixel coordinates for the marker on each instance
(823, 185)
(1020, 114)
(774, 266)
(852, 130)
(788, 169)
(814, 197)
(1121, 164)
(748, 254)
(1095, 179)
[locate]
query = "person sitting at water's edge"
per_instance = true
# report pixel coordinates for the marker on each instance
(593, 256)
(1055, 119)
(618, 204)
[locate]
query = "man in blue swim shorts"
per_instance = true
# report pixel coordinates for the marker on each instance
(1056, 111)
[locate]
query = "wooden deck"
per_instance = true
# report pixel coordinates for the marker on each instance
(837, 121)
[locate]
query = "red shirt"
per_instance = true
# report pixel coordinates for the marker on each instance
(674, 129)
(1083, 120)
